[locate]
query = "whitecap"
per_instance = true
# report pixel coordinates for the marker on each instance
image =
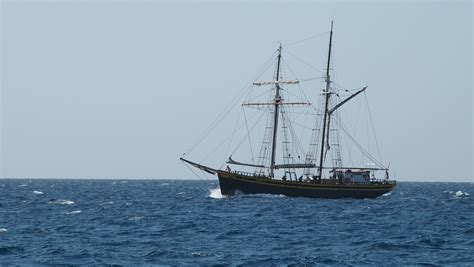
(164, 184)
(135, 218)
(62, 202)
(38, 193)
(261, 195)
(387, 194)
(460, 193)
(3, 230)
(66, 202)
(199, 254)
(215, 193)
(74, 212)
(23, 185)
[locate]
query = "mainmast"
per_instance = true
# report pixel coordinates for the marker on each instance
(326, 113)
(276, 102)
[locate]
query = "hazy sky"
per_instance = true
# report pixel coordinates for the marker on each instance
(120, 89)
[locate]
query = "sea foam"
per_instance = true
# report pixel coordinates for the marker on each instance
(61, 201)
(215, 193)
(460, 193)
(74, 212)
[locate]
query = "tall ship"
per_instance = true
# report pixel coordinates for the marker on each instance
(301, 173)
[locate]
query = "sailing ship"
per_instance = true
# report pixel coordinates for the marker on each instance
(317, 179)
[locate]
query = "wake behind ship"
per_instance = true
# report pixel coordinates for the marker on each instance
(297, 177)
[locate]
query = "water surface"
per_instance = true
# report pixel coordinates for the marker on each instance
(156, 222)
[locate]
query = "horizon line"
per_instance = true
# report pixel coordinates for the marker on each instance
(189, 179)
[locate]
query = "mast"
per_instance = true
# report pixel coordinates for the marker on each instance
(275, 117)
(327, 94)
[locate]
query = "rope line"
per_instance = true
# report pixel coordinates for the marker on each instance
(373, 127)
(221, 116)
(306, 39)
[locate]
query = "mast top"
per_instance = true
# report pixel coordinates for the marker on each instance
(277, 80)
(330, 46)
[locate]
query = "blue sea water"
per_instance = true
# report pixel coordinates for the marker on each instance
(164, 222)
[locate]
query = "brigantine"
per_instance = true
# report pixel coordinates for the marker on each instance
(336, 182)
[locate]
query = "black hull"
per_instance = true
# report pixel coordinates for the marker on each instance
(236, 183)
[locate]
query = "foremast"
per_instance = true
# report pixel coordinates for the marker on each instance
(327, 95)
(276, 102)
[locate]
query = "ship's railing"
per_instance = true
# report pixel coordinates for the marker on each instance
(324, 181)
(248, 174)
(376, 181)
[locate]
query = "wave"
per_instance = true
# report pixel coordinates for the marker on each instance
(10, 250)
(199, 254)
(61, 201)
(38, 192)
(262, 195)
(74, 212)
(215, 193)
(459, 194)
(152, 226)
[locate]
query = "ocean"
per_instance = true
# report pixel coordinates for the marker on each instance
(169, 222)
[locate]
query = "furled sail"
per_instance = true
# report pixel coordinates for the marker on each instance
(231, 161)
(295, 166)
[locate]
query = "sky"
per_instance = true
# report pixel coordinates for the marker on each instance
(120, 89)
